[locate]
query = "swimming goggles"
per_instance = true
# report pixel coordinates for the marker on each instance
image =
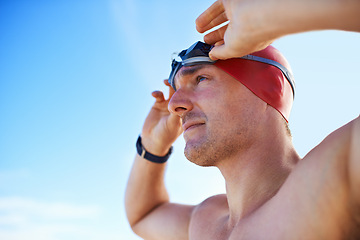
(198, 53)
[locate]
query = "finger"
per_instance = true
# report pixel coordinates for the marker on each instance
(210, 14)
(219, 43)
(215, 36)
(158, 95)
(166, 82)
(171, 89)
(220, 19)
(219, 52)
(174, 121)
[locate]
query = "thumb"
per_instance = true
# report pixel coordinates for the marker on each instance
(219, 52)
(174, 124)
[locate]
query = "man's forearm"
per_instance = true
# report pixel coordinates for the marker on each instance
(301, 16)
(145, 189)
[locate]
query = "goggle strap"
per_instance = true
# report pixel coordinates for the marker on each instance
(197, 60)
(283, 69)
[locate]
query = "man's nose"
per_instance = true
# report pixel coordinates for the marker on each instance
(180, 102)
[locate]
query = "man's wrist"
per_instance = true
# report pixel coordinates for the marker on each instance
(150, 156)
(155, 145)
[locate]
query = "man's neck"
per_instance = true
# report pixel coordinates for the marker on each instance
(255, 176)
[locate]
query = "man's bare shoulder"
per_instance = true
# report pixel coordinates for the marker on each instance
(331, 159)
(211, 209)
(339, 139)
(333, 152)
(218, 201)
(208, 217)
(317, 194)
(354, 159)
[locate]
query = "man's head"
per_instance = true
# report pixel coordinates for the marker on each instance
(266, 73)
(221, 115)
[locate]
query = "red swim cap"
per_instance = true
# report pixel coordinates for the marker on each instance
(264, 80)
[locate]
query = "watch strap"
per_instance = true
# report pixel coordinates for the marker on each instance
(151, 157)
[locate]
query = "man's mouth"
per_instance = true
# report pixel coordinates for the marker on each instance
(188, 125)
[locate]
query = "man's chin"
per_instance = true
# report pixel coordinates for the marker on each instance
(197, 155)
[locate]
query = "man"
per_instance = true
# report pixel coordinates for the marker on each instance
(234, 114)
(238, 127)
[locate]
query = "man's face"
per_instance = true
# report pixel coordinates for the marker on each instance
(221, 117)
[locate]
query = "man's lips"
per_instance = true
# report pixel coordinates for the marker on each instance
(191, 124)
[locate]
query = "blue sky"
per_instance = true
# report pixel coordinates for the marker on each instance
(75, 84)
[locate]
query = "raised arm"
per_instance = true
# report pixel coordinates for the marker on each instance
(149, 212)
(354, 162)
(256, 24)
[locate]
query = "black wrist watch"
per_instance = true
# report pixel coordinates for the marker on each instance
(150, 157)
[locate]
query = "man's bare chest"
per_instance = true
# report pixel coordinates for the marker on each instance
(280, 224)
(306, 209)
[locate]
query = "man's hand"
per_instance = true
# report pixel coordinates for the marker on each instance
(161, 128)
(253, 25)
(243, 34)
(147, 205)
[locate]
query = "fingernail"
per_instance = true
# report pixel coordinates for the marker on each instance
(212, 57)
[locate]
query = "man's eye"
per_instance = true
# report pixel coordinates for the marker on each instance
(200, 78)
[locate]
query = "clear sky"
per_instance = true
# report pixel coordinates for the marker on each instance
(75, 86)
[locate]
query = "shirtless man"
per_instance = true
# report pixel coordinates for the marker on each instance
(240, 127)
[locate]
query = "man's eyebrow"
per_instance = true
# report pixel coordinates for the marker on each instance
(186, 71)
